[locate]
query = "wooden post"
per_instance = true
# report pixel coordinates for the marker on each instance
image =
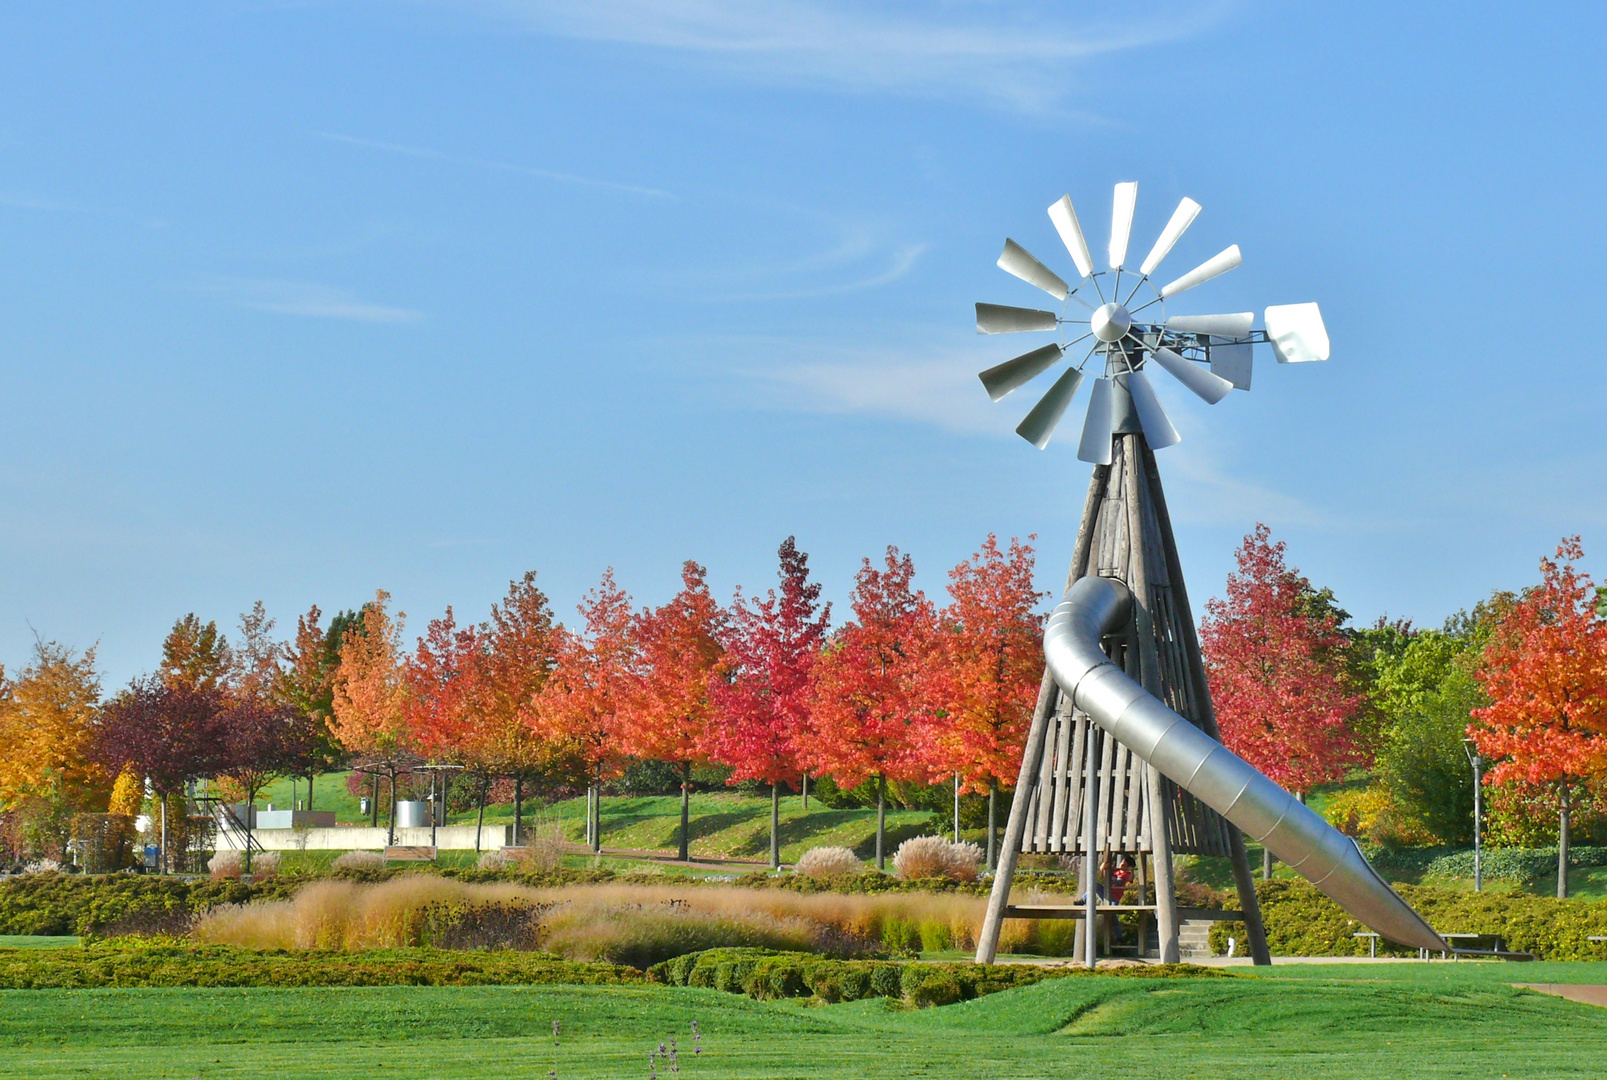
(1090, 856)
(1255, 930)
(987, 941)
(1166, 919)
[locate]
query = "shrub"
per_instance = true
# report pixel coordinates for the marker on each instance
(491, 860)
(822, 863)
(934, 857)
(359, 860)
(120, 965)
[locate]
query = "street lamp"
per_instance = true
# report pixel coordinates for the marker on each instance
(1477, 762)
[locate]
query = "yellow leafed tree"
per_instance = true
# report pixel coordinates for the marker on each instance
(47, 717)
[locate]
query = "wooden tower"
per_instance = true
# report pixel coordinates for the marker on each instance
(1125, 534)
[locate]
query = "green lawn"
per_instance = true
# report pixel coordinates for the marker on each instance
(1441, 1020)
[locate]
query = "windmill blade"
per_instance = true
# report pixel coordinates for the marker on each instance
(1158, 430)
(1070, 230)
(1208, 387)
(1182, 218)
(1040, 423)
(1297, 333)
(1121, 222)
(1232, 360)
(1000, 319)
(1003, 378)
(1096, 430)
(1236, 325)
(1215, 266)
(1019, 261)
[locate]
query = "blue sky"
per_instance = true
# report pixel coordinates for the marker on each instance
(299, 300)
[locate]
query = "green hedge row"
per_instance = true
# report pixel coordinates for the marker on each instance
(765, 975)
(1510, 864)
(1301, 921)
(117, 964)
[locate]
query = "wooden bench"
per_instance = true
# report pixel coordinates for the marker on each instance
(409, 854)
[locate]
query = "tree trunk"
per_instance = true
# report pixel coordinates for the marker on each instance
(956, 808)
(597, 812)
(390, 817)
(1266, 864)
(309, 793)
(479, 822)
(251, 799)
(881, 822)
(373, 800)
(518, 807)
(775, 826)
(806, 792)
(163, 859)
(993, 824)
(1562, 847)
(684, 853)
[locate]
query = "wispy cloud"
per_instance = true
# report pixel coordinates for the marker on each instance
(305, 298)
(487, 163)
(1025, 54)
(24, 201)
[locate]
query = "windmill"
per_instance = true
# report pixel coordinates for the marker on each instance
(1123, 758)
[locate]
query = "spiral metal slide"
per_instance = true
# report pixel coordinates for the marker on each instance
(1096, 607)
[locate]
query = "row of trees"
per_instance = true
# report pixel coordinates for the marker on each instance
(906, 691)
(1520, 681)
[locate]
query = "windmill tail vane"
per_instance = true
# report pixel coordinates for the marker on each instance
(1124, 757)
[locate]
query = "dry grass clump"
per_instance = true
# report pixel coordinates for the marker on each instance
(935, 857)
(491, 860)
(828, 862)
(359, 860)
(544, 849)
(635, 924)
(229, 865)
(344, 914)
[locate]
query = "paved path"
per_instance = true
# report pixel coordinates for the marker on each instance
(1585, 994)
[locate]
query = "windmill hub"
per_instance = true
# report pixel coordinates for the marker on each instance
(1111, 322)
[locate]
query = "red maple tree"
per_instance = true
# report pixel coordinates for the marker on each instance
(763, 704)
(1545, 673)
(581, 705)
(991, 666)
(1275, 662)
(681, 657)
(870, 709)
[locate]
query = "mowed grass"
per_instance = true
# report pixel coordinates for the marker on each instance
(1359, 1021)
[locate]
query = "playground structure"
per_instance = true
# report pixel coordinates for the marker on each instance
(1123, 758)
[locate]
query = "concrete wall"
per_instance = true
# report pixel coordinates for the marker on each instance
(362, 837)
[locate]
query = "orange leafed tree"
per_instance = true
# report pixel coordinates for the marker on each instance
(871, 715)
(680, 656)
(1545, 673)
(580, 707)
(990, 670)
(370, 695)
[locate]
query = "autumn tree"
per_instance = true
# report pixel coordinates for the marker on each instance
(444, 705)
(370, 698)
(680, 656)
(1545, 674)
(48, 719)
(989, 666)
(307, 683)
(1275, 663)
(168, 731)
(763, 703)
(257, 744)
(580, 708)
(870, 714)
(196, 654)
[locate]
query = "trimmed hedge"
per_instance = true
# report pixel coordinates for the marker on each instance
(1500, 864)
(120, 964)
(766, 975)
(1301, 921)
(87, 904)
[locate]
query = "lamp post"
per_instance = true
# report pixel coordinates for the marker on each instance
(1477, 762)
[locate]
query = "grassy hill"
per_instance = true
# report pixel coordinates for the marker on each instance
(1352, 1023)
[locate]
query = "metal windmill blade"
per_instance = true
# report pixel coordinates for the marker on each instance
(1209, 354)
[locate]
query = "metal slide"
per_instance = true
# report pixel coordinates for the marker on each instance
(1094, 608)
